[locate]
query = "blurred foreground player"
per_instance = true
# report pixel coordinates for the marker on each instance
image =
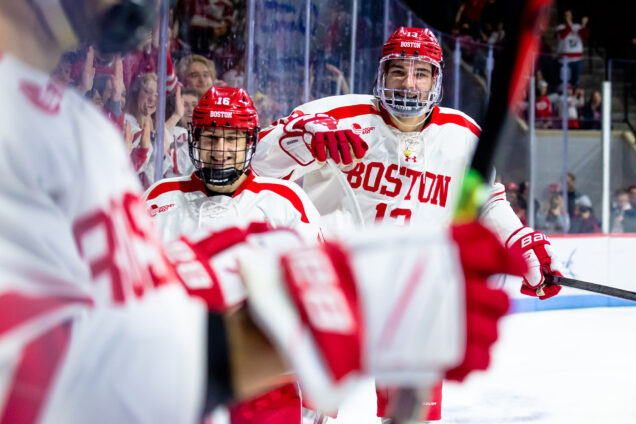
(95, 319)
(222, 192)
(403, 156)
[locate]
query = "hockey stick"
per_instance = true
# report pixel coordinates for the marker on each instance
(518, 52)
(591, 287)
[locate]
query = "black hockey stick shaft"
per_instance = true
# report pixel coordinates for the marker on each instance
(591, 287)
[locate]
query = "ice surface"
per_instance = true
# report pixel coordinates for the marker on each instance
(553, 367)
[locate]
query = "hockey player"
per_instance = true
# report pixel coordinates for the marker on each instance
(95, 323)
(414, 166)
(223, 192)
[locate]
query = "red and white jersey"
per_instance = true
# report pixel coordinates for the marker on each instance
(83, 276)
(571, 39)
(183, 205)
(404, 178)
(177, 161)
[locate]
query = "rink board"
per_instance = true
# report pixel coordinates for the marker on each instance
(603, 259)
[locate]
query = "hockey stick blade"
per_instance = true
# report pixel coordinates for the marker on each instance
(591, 287)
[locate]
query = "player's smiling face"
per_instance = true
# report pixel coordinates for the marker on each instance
(223, 148)
(409, 74)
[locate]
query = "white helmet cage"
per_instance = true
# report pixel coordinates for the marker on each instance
(406, 103)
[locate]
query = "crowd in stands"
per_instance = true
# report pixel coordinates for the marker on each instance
(481, 22)
(207, 47)
(552, 217)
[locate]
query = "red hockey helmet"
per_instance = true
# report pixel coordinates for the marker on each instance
(412, 45)
(223, 135)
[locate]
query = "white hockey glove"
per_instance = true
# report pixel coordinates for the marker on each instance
(393, 305)
(316, 137)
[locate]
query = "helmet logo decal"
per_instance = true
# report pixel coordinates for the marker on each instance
(410, 44)
(219, 114)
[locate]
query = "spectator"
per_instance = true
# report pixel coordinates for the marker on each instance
(62, 72)
(584, 221)
(497, 36)
(553, 219)
(573, 195)
(575, 100)
(469, 13)
(95, 98)
(522, 201)
(177, 155)
(112, 88)
(190, 101)
(570, 47)
(197, 73)
(141, 105)
(623, 215)
(542, 106)
(326, 79)
(591, 112)
(631, 190)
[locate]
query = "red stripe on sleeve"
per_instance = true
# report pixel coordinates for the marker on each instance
(352, 111)
(256, 187)
(449, 118)
(17, 308)
(31, 383)
(193, 184)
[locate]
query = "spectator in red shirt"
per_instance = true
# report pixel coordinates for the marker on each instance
(542, 106)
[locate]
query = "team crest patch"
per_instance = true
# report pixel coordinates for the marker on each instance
(357, 129)
(154, 209)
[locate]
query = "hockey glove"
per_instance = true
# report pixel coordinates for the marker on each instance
(317, 137)
(482, 255)
(207, 264)
(390, 305)
(539, 255)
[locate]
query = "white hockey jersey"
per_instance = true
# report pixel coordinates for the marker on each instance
(404, 178)
(85, 293)
(182, 205)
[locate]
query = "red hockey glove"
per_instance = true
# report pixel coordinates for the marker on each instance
(207, 264)
(389, 304)
(537, 251)
(482, 255)
(316, 136)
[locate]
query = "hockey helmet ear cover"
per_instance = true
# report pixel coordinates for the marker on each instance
(223, 135)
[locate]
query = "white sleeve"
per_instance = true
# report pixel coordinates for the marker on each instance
(270, 160)
(498, 216)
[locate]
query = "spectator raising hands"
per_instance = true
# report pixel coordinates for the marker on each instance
(88, 73)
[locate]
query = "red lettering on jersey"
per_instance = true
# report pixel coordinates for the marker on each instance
(441, 190)
(378, 177)
(120, 246)
(397, 183)
(375, 175)
(46, 99)
(423, 184)
(413, 175)
(355, 175)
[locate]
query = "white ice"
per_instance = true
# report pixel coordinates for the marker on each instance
(555, 367)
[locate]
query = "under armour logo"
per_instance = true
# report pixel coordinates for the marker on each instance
(411, 157)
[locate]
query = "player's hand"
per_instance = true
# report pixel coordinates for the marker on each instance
(539, 255)
(482, 255)
(389, 304)
(317, 137)
(208, 263)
